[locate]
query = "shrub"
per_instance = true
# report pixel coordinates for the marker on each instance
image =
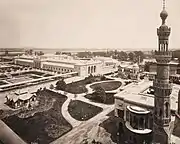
(51, 86)
(61, 85)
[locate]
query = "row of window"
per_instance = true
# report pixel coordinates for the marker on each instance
(58, 69)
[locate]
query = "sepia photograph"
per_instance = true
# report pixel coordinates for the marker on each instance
(89, 72)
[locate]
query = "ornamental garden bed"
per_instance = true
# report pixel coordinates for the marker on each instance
(94, 98)
(108, 86)
(80, 86)
(82, 111)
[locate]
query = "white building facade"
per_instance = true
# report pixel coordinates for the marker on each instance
(66, 64)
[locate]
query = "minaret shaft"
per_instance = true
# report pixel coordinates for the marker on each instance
(162, 86)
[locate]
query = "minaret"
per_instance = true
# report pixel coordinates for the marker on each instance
(162, 86)
(177, 118)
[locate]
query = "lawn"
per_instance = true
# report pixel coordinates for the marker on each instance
(80, 86)
(110, 126)
(108, 86)
(42, 127)
(82, 111)
(109, 98)
(76, 87)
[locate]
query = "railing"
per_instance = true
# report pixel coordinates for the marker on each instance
(167, 53)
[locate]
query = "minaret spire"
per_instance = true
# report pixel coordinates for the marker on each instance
(163, 14)
(164, 4)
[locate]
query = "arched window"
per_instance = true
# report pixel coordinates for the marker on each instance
(91, 69)
(94, 68)
(167, 109)
(160, 112)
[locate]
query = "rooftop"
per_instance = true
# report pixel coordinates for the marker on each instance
(59, 64)
(134, 94)
(137, 110)
(25, 95)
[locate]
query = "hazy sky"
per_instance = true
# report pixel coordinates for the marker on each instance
(86, 23)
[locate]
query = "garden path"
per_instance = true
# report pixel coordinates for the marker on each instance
(106, 108)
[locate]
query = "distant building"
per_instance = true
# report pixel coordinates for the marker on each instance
(7, 54)
(174, 68)
(66, 64)
(130, 69)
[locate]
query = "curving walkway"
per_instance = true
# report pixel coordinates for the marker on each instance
(67, 116)
(106, 108)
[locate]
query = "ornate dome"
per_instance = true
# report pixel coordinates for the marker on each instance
(163, 14)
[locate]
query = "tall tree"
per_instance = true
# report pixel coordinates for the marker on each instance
(122, 56)
(131, 56)
(139, 55)
(100, 93)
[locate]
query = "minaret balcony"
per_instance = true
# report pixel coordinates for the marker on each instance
(164, 53)
(164, 90)
(157, 84)
(163, 57)
(163, 32)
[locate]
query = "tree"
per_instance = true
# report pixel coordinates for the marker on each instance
(61, 85)
(103, 78)
(6, 52)
(100, 94)
(84, 54)
(66, 53)
(30, 52)
(139, 55)
(89, 79)
(131, 56)
(122, 56)
(51, 86)
(146, 66)
(41, 53)
(57, 53)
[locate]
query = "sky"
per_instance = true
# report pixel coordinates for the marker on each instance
(121, 24)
